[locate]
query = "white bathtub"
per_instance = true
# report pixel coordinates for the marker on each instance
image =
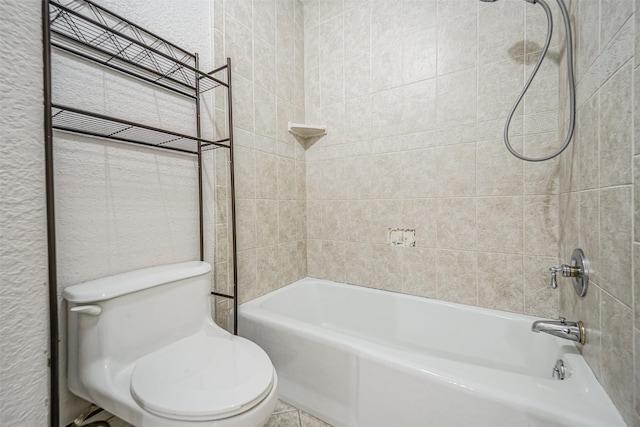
(355, 356)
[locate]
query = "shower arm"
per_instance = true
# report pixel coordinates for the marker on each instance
(572, 94)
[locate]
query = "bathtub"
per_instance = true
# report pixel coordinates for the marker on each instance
(354, 356)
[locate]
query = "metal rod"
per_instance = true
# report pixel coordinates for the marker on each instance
(54, 357)
(214, 71)
(139, 27)
(131, 141)
(125, 71)
(124, 36)
(199, 134)
(218, 294)
(128, 123)
(233, 202)
(130, 39)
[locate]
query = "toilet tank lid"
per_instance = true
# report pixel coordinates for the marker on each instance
(133, 281)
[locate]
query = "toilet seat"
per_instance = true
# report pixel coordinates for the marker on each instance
(202, 377)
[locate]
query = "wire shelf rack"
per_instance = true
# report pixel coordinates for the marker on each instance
(73, 120)
(92, 32)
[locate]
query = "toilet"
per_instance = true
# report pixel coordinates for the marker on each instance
(142, 345)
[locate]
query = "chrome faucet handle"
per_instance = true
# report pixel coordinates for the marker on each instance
(554, 271)
(566, 271)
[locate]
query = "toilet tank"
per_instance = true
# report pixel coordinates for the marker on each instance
(115, 320)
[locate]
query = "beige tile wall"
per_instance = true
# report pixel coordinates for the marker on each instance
(599, 195)
(265, 40)
(414, 95)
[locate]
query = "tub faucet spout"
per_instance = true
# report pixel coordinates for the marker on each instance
(562, 328)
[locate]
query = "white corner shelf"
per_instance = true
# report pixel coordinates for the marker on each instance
(307, 131)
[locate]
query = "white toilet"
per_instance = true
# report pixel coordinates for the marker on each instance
(142, 346)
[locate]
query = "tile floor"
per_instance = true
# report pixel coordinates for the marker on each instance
(286, 415)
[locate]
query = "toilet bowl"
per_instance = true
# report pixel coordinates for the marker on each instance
(142, 346)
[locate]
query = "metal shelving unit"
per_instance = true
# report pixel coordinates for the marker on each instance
(93, 33)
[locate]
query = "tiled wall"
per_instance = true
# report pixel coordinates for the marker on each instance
(598, 194)
(264, 38)
(414, 95)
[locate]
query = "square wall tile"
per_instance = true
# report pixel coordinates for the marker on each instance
(499, 173)
(385, 214)
(501, 281)
(456, 98)
(617, 351)
(457, 43)
(457, 277)
(360, 268)
(267, 267)
(419, 173)
(387, 175)
(457, 223)
(421, 215)
(386, 65)
(246, 223)
(456, 170)
(500, 31)
(541, 177)
(541, 230)
(614, 13)
(418, 106)
(589, 231)
(419, 271)
(386, 20)
(498, 86)
(616, 243)
(357, 29)
(448, 9)
(586, 170)
(588, 46)
(616, 121)
(540, 299)
(330, 9)
(419, 15)
(387, 267)
(636, 280)
(500, 224)
(267, 218)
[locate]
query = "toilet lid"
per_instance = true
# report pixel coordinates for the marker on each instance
(202, 378)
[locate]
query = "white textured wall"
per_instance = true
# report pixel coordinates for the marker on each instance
(24, 331)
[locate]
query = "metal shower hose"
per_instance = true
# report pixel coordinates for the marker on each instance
(572, 91)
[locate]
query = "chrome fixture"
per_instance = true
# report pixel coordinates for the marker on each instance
(573, 331)
(559, 371)
(578, 271)
(570, 80)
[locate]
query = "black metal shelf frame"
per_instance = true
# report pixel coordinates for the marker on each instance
(85, 29)
(93, 33)
(73, 120)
